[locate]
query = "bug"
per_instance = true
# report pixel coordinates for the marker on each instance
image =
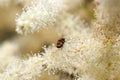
(60, 43)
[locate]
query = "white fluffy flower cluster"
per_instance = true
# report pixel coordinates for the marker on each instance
(75, 54)
(108, 19)
(39, 14)
(108, 12)
(23, 70)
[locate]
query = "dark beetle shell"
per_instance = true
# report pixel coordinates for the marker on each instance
(60, 42)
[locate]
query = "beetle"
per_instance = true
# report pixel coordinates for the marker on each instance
(60, 42)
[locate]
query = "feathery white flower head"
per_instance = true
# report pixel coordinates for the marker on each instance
(7, 51)
(23, 70)
(108, 19)
(74, 54)
(108, 12)
(37, 15)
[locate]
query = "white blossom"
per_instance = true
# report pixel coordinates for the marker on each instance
(23, 70)
(37, 15)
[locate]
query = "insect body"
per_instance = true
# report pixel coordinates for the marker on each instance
(60, 42)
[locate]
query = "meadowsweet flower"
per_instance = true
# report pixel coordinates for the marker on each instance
(76, 52)
(38, 15)
(7, 51)
(82, 54)
(108, 12)
(23, 70)
(71, 25)
(107, 19)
